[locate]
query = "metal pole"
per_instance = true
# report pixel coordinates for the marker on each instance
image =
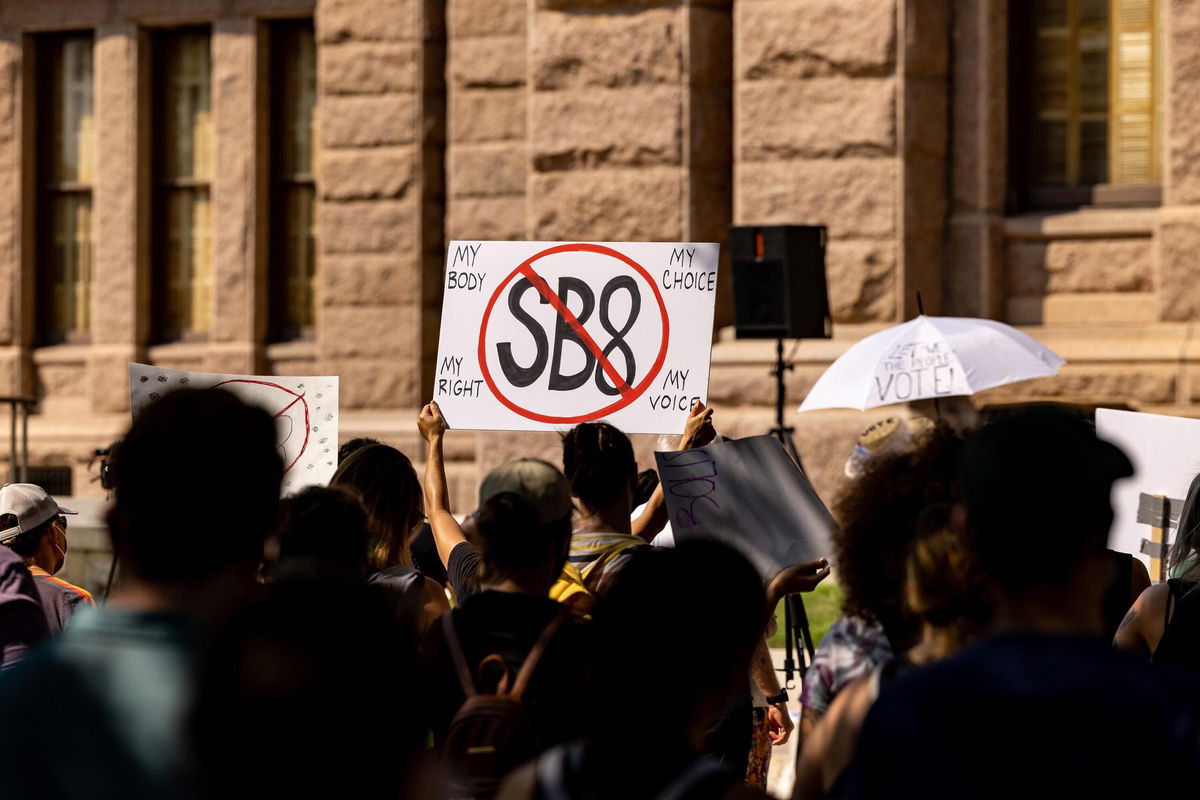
(780, 387)
(12, 441)
(24, 442)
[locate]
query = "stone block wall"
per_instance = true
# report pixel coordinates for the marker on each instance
(487, 158)
(886, 120)
(380, 194)
(817, 86)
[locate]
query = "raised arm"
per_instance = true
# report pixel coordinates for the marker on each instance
(1143, 626)
(697, 431)
(446, 532)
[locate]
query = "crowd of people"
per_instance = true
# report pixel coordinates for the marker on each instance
(363, 639)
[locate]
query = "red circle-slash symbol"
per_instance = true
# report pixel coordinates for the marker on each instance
(285, 404)
(628, 393)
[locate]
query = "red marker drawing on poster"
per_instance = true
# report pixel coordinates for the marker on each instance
(304, 410)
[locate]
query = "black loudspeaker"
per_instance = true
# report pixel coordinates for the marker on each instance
(779, 289)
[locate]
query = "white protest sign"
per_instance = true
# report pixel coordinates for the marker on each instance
(748, 494)
(305, 410)
(545, 335)
(1165, 452)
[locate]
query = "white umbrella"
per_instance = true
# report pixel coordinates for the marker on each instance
(930, 357)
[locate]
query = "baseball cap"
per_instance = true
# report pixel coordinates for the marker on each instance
(539, 483)
(889, 435)
(30, 505)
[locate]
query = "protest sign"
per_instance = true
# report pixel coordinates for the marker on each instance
(748, 494)
(1165, 452)
(305, 410)
(544, 335)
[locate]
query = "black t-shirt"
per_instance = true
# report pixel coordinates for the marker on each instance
(425, 555)
(463, 570)
(1024, 715)
(509, 624)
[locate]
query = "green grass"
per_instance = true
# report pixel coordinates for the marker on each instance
(824, 605)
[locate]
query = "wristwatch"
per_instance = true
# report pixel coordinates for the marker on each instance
(782, 697)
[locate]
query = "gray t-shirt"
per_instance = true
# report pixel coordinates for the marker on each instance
(60, 600)
(101, 708)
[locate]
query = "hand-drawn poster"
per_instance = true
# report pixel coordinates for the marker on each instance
(305, 410)
(545, 335)
(1165, 452)
(748, 494)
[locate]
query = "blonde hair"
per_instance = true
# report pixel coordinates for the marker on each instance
(945, 586)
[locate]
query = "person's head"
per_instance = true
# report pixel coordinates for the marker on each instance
(1035, 484)
(385, 480)
(945, 588)
(314, 689)
(196, 488)
(878, 515)
(599, 463)
(698, 645)
(1183, 561)
(352, 446)
(647, 482)
(321, 533)
(33, 526)
(524, 524)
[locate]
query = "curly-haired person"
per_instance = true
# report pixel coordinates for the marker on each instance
(877, 515)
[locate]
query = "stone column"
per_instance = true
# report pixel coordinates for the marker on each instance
(1177, 238)
(16, 185)
(630, 123)
(376, 126)
(239, 314)
(973, 279)
(487, 155)
(922, 120)
(816, 84)
(119, 279)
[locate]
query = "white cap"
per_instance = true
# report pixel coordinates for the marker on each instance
(30, 505)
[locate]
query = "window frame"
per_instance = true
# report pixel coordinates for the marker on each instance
(48, 48)
(1024, 194)
(279, 183)
(162, 185)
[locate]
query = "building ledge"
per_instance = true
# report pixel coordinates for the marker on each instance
(1087, 223)
(62, 354)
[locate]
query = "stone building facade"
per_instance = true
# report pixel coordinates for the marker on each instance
(899, 124)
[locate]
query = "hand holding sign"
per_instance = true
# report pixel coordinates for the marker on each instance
(431, 423)
(698, 430)
(539, 336)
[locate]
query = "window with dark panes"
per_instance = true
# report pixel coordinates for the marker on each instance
(182, 130)
(1085, 120)
(293, 90)
(66, 161)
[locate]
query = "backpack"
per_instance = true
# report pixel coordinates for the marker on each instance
(491, 734)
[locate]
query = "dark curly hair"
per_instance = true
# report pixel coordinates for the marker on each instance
(878, 515)
(598, 460)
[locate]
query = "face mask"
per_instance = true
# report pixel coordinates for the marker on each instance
(62, 549)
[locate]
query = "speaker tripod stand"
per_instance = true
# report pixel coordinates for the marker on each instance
(797, 636)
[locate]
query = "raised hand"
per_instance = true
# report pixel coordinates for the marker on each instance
(431, 423)
(698, 430)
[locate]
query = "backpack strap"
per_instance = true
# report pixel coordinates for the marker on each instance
(456, 655)
(535, 655)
